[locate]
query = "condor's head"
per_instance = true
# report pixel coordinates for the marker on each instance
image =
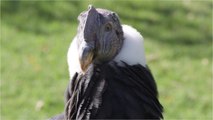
(99, 36)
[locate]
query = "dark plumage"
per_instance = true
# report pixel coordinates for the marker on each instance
(129, 93)
(109, 77)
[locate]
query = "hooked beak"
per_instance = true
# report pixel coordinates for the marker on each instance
(86, 55)
(86, 49)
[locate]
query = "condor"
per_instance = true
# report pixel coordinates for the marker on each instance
(108, 71)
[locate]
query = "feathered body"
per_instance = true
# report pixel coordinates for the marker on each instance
(122, 88)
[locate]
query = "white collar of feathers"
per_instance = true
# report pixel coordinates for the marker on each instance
(132, 51)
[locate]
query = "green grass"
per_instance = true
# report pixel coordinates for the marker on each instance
(35, 37)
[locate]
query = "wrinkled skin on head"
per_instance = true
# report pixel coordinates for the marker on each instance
(99, 37)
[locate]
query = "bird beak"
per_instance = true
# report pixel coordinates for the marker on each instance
(86, 54)
(88, 39)
(86, 50)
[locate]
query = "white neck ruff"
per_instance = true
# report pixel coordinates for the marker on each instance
(132, 51)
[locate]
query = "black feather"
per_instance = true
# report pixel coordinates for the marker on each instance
(128, 92)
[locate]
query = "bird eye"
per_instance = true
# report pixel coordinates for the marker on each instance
(108, 27)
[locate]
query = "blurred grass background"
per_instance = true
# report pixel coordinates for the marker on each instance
(35, 37)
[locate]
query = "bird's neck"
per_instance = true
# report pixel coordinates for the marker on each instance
(132, 51)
